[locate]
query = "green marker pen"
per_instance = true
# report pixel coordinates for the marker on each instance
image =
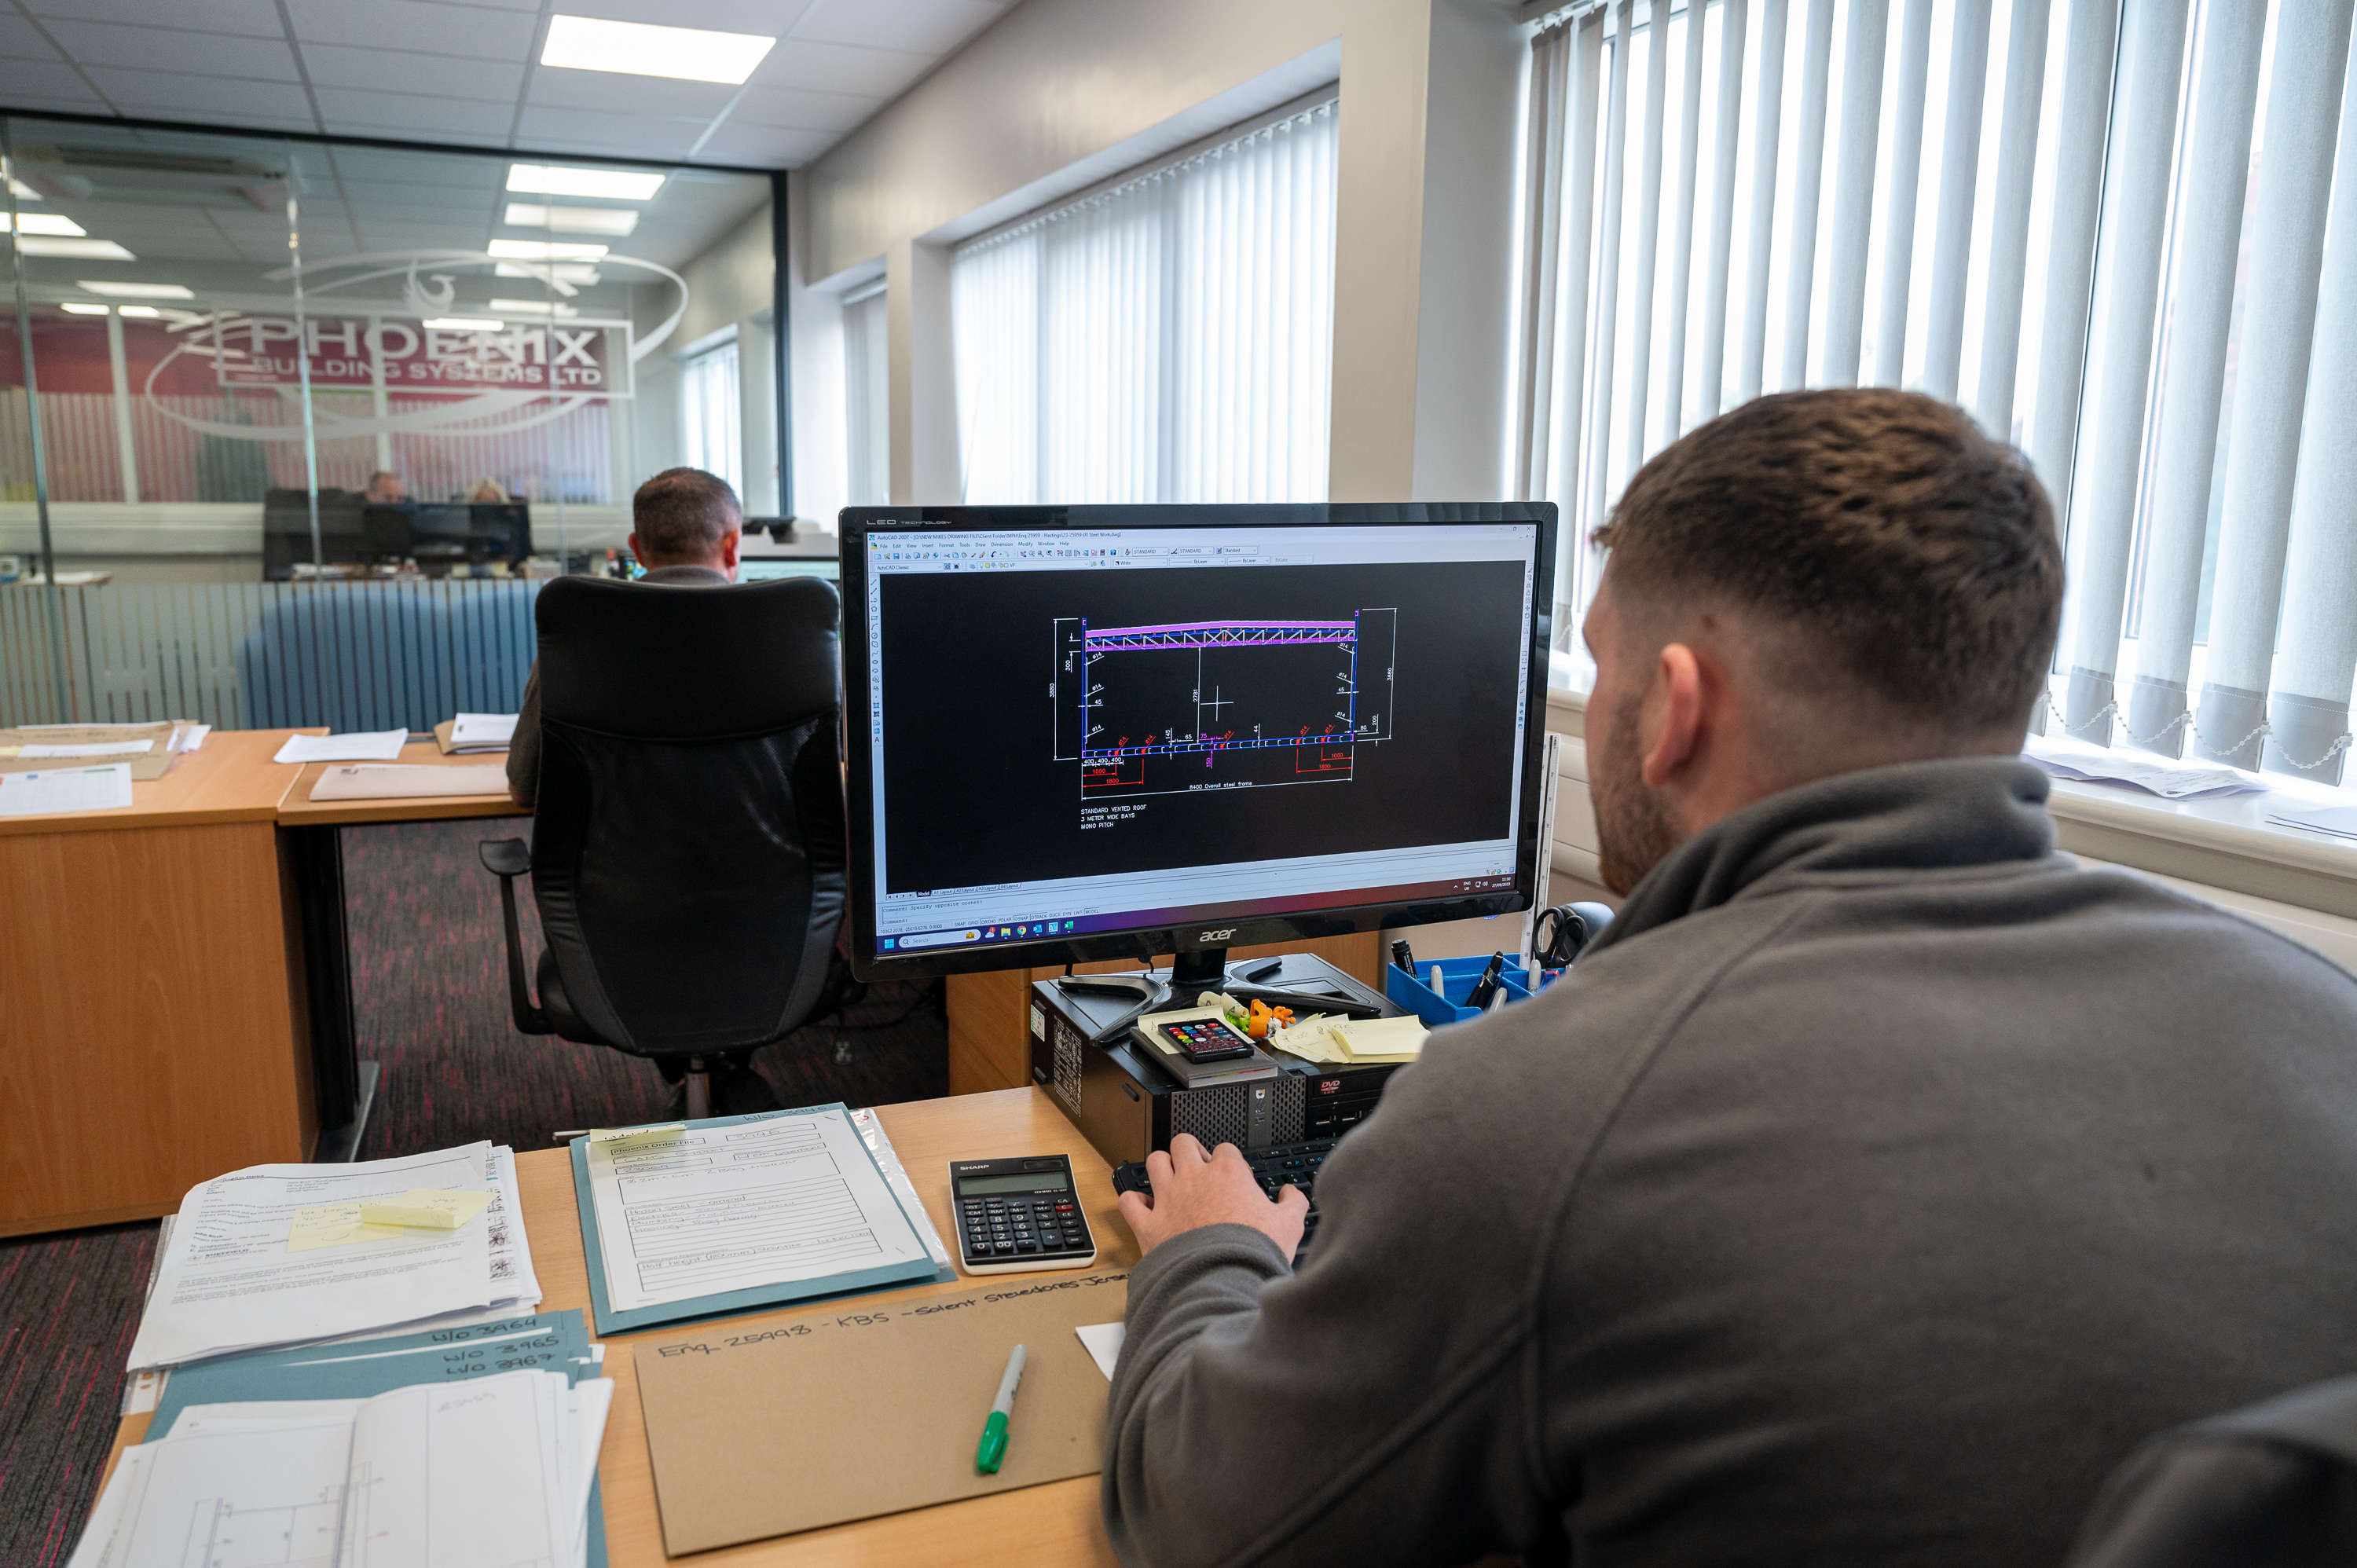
(994, 1431)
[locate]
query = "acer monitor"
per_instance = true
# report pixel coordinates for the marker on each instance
(1119, 732)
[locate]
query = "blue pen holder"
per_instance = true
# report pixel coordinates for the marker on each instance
(1458, 976)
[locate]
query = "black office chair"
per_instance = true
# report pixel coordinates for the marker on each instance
(2273, 1486)
(687, 851)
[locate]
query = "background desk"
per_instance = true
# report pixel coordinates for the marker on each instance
(1045, 1526)
(310, 835)
(151, 1007)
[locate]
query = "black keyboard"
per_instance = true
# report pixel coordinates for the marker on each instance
(1277, 1167)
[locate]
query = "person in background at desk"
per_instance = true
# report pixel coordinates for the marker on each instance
(686, 528)
(385, 488)
(1878, 1181)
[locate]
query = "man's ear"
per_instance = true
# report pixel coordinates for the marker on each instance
(636, 553)
(730, 543)
(1675, 712)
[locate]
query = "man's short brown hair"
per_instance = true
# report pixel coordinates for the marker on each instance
(683, 514)
(1915, 557)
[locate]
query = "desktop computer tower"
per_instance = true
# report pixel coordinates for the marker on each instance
(1128, 1106)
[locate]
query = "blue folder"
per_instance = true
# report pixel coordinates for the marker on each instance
(854, 1282)
(549, 1342)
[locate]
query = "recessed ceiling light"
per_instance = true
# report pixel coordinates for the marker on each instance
(135, 290)
(58, 223)
(545, 250)
(562, 272)
(86, 249)
(138, 310)
(75, 307)
(532, 307)
(571, 220)
(466, 324)
(561, 179)
(636, 48)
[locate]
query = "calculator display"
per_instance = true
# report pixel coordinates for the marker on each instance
(1038, 1181)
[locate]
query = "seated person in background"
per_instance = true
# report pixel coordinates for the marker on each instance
(385, 488)
(687, 525)
(1874, 1184)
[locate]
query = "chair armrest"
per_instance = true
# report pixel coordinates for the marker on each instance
(508, 859)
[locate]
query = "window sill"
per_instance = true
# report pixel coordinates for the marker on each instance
(2225, 843)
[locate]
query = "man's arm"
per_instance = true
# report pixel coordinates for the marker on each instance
(523, 749)
(1374, 1409)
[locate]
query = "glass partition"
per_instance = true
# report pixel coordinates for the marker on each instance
(303, 425)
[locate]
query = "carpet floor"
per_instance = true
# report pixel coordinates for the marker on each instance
(429, 991)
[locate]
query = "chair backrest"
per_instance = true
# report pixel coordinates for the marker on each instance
(2274, 1484)
(688, 847)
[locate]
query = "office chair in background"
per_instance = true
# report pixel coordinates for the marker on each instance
(687, 853)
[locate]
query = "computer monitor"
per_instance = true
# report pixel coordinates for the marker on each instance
(1106, 732)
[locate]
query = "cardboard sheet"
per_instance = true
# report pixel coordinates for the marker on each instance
(396, 781)
(816, 1419)
(147, 748)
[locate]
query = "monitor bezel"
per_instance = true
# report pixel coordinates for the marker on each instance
(1146, 944)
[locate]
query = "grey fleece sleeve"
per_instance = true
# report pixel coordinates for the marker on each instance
(1374, 1409)
(524, 751)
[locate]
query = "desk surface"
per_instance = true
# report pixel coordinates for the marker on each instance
(230, 778)
(298, 809)
(1052, 1524)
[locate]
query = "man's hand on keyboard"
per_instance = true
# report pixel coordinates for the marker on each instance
(1192, 1188)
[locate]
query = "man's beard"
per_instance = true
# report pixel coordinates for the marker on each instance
(1633, 825)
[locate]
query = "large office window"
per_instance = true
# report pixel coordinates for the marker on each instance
(712, 430)
(2101, 228)
(867, 397)
(1167, 338)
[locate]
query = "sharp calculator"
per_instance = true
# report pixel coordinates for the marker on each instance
(1018, 1215)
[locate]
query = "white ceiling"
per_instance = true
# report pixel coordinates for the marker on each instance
(430, 70)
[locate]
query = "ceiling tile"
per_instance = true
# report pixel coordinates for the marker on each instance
(759, 146)
(266, 101)
(169, 49)
(19, 40)
(23, 80)
(412, 114)
(258, 18)
(566, 130)
(928, 26)
(389, 70)
(791, 108)
(768, 19)
(838, 68)
(608, 93)
(466, 31)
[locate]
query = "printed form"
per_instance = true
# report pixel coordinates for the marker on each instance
(732, 1207)
(228, 1281)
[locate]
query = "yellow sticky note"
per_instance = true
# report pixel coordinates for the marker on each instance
(1381, 1039)
(335, 1225)
(637, 1134)
(429, 1210)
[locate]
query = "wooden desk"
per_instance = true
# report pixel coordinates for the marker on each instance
(299, 810)
(1057, 1523)
(310, 835)
(152, 1003)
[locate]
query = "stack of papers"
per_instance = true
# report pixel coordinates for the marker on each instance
(376, 746)
(151, 749)
(2171, 782)
(1322, 1037)
(2338, 820)
(487, 1472)
(482, 731)
(278, 1255)
(105, 789)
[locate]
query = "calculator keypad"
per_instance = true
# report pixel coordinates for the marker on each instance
(1046, 1226)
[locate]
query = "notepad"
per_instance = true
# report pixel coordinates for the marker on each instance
(377, 745)
(395, 782)
(1380, 1039)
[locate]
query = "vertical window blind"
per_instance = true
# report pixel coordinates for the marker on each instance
(2121, 235)
(867, 397)
(712, 427)
(1165, 339)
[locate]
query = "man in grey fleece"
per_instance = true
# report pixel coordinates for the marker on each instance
(686, 528)
(1873, 1184)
